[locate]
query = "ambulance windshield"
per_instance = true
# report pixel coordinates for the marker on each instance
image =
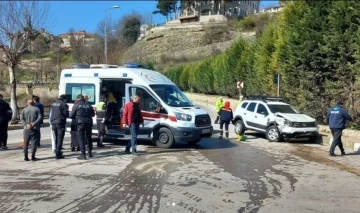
(172, 95)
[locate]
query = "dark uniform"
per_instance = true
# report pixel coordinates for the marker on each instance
(226, 116)
(59, 113)
(337, 117)
(100, 120)
(5, 117)
(83, 112)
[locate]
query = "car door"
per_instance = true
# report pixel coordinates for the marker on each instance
(249, 115)
(261, 118)
(148, 105)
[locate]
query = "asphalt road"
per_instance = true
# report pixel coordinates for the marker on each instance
(215, 176)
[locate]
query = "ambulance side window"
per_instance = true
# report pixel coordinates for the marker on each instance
(74, 89)
(148, 102)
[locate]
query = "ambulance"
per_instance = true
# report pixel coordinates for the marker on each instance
(169, 116)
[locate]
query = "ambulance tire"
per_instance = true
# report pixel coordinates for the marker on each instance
(164, 138)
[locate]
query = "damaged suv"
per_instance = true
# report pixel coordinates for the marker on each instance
(274, 117)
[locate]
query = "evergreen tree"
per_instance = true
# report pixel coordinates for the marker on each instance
(263, 57)
(341, 48)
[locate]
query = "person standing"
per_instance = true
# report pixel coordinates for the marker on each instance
(37, 103)
(226, 116)
(31, 118)
(74, 142)
(337, 117)
(5, 117)
(59, 113)
(132, 117)
(218, 105)
(100, 120)
(83, 112)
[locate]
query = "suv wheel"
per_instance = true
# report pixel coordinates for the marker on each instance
(273, 134)
(239, 127)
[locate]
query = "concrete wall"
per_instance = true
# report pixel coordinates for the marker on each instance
(46, 93)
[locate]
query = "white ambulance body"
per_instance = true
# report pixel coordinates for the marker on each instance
(179, 120)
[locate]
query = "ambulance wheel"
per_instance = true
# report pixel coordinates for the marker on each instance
(164, 138)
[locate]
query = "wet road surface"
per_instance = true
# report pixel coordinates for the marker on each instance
(214, 176)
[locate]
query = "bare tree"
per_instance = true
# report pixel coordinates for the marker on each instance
(19, 22)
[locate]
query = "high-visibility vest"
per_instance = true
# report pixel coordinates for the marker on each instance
(100, 106)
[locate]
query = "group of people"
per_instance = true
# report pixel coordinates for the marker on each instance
(224, 115)
(82, 115)
(32, 118)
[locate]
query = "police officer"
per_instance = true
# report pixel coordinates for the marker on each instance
(83, 112)
(59, 113)
(337, 117)
(5, 117)
(100, 120)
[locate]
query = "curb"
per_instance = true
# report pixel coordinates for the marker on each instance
(354, 146)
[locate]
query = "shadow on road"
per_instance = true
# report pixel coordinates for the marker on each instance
(255, 135)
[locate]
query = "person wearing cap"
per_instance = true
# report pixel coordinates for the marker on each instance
(219, 104)
(337, 117)
(83, 112)
(59, 113)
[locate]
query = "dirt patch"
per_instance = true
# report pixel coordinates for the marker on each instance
(321, 156)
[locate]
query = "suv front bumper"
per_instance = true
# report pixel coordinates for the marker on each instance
(299, 132)
(191, 133)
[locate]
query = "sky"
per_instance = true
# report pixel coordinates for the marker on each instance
(85, 15)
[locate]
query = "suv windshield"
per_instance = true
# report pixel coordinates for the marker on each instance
(281, 109)
(172, 95)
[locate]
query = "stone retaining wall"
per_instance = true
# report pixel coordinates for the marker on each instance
(211, 99)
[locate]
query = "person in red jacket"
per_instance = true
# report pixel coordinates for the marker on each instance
(132, 117)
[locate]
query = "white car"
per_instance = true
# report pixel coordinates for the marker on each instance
(274, 117)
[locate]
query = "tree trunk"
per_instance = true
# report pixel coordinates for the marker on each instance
(13, 98)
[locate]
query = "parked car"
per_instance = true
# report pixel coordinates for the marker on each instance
(274, 117)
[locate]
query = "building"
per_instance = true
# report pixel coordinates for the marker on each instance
(143, 31)
(274, 9)
(232, 8)
(80, 38)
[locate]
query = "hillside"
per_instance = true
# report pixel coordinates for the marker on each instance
(176, 44)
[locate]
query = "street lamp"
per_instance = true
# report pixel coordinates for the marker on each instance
(113, 7)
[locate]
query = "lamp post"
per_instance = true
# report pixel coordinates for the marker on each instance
(113, 7)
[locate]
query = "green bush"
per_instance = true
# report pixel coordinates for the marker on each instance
(184, 77)
(174, 74)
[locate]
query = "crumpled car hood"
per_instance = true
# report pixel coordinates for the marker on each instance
(296, 117)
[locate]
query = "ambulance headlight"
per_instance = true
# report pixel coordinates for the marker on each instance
(183, 117)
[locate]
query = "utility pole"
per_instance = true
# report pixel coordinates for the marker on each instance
(276, 81)
(105, 34)
(278, 85)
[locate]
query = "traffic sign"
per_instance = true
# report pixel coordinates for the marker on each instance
(240, 84)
